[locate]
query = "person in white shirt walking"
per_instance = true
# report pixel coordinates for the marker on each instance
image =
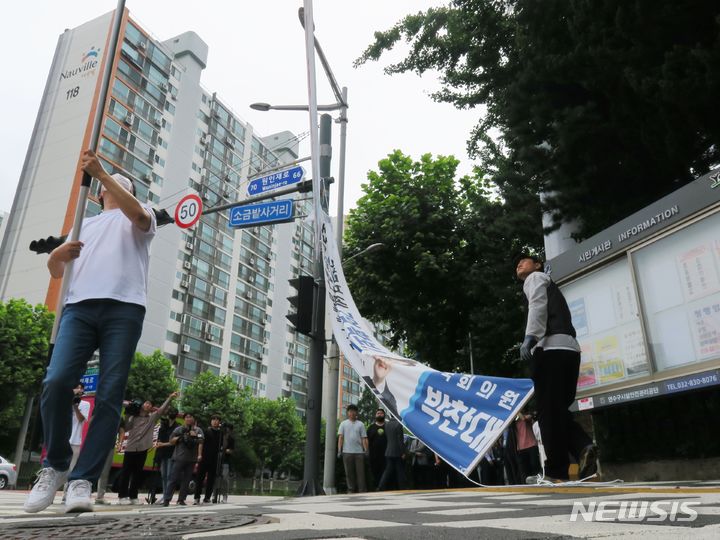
(81, 410)
(104, 309)
(553, 353)
(352, 448)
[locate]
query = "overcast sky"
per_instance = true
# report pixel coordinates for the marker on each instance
(256, 53)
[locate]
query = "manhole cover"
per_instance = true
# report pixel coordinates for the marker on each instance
(171, 525)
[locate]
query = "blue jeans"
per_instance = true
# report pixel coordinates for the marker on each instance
(165, 472)
(114, 328)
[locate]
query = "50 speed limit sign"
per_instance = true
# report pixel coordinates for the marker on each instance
(188, 211)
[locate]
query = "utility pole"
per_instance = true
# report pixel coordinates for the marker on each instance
(311, 482)
(333, 384)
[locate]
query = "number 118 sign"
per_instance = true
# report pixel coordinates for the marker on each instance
(188, 211)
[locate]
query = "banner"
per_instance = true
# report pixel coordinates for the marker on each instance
(457, 416)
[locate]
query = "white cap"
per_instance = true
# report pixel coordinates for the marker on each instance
(122, 180)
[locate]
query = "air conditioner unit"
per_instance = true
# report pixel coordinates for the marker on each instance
(173, 96)
(163, 87)
(129, 119)
(251, 279)
(184, 283)
(148, 177)
(251, 262)
(227, 178)
(210, 337)
(248, 294)
(158, 121)
(232, 364)
(189, 245)
(229, 142)
(187, 265)
(141, 45)
(203, 140)
(186, 348)
(226, 193)
(216, 114)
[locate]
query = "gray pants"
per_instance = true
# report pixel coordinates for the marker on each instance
(104, 475)
(355, 472)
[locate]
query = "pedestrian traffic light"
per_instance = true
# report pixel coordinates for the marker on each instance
(46, 245)
(302, 319)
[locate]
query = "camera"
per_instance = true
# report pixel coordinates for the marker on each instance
(77, 398)
(133, 408)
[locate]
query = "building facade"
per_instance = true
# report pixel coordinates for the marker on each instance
(217, 297)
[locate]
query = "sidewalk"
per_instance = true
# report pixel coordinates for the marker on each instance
(502, 512)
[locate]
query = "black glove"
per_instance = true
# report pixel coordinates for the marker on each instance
(527, 347)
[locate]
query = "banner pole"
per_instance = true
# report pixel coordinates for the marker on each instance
(86, 178)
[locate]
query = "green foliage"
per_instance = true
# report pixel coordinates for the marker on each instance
(447, 267)
(367, 406)
(151, 377)
(209, 394)
(605, 106)
(276, 434)
(24, 338)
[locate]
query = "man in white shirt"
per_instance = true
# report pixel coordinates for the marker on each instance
(553, 353)
(352, 447)
(81, 410)
(104, 309)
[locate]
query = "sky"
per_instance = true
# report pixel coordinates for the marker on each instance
(256, 54)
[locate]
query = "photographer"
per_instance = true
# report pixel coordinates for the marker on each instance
(223, 486)
(81, 411)
(139, 426)
(188, 441)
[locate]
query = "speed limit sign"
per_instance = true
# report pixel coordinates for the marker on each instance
(188, 211)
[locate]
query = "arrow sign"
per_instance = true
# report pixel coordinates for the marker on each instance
(252, 215)
(276, 180)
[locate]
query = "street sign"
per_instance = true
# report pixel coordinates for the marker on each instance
(89, 379)
(252, 215)
(276, 180)
(188, 211)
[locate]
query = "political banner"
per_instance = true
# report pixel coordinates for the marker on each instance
(457, 416)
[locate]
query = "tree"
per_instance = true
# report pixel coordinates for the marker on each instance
(367, 406)
(24, 338)
(451, 269)
(151, 377)
(276, 434)
(212, 394)
(603, 106)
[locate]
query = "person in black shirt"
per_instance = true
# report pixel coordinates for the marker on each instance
(163, 448)
(210, 459)
(377, 442)
(222, 487)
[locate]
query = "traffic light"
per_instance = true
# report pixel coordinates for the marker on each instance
(46, 245)
(302, 319)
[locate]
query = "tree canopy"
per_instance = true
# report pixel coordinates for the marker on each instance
(603, 105)
(151, 377)
(447, 267)
(212, 394)
(24, 338)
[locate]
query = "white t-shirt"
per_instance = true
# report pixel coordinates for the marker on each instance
(77, 426)
(353, 433)
(114, 259)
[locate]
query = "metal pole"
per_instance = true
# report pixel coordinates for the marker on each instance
(86, 179)
(311, 484)
(20, 445)
(331, 399)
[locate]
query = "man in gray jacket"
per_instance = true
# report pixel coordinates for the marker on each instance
(553, 353)
(394, 453)
(140, 428)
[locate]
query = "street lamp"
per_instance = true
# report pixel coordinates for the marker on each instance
(264, 107)
(372, 247)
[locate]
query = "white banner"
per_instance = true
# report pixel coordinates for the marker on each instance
(457, 416)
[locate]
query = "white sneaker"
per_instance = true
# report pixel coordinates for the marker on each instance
(79, 497)
(124, 501)
(43, 492)
(134, 501)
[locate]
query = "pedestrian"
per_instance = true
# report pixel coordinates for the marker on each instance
(422, 463)
(188, 442)
(553, 353)
(104, 309)
(211, 457)
(105, 474)
(352, 447)
(527, 447)
(377, 442)
(163, 448)
(81, 412)
(394, 473)
(140, 428)
(222, 487)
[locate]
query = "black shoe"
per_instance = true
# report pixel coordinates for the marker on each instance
(587, 464)
(181, 503)
(166, 503)
(206, 501)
